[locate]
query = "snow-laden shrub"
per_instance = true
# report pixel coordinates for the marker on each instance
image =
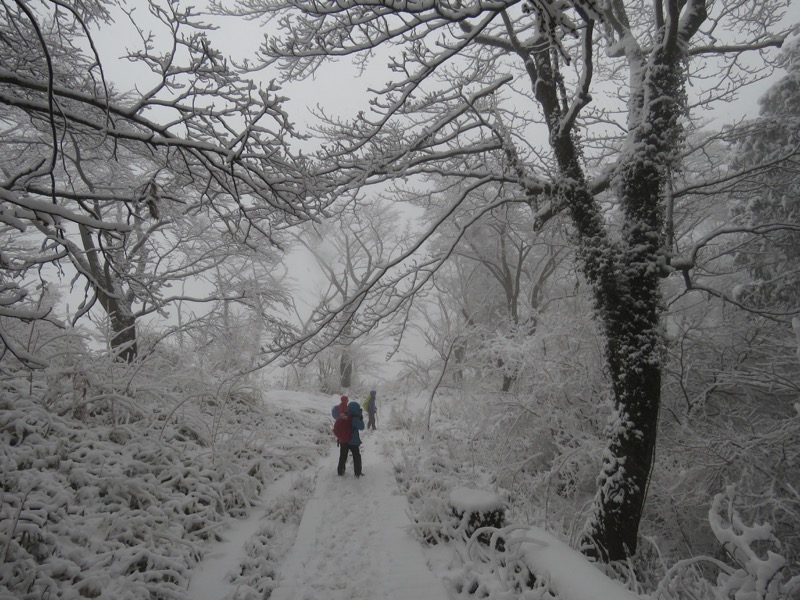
(113, 475)
(86, 511)
(760, 572)
(544, 448)
(428, 465)
(426, 481)
(547, 454)
(495, 570)
(399, 417)
(543, 440)
(753, 567)
(428, 468)
(727, 417)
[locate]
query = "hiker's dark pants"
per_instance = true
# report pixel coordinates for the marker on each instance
(371, 422)
(343, 449)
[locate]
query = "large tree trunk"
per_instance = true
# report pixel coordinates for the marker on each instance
(115, 302)
(631, 317)
(624, 276)
(612, 530)
(627, 299)
(508, 379)
(123, 335)
(345, 368)
(632, 320)
(459, 355)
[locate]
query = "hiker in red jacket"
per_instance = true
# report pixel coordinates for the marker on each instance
(341, 407)
(356, 422)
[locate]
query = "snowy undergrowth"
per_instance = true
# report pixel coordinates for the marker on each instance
(428, 466)
(269, 546)
(463, 448)
(114, 476)
(754, 569)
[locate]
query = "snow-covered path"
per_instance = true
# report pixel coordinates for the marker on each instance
(353, 541)
(210, 578)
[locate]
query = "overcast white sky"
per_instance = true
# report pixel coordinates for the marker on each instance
(338, 87)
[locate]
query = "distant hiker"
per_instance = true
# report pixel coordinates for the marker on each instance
(353, 417)
(371, 406)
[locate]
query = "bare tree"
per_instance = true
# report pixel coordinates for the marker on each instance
(520, 77)
(491, 294)
(733, 375)
(519, 264)
(771, 199)
(111, 181)
(347, 250)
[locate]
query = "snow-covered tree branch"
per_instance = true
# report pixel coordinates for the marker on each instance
(544, 66)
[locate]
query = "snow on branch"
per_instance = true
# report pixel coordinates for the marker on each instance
(758, 572)
(33, 209)
(391, 286)
(139, 189)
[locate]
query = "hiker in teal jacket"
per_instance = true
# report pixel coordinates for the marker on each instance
(356, 424)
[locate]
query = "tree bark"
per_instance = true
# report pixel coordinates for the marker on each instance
(508, 379)
(121, 319)
(345, 369)
(632, 320)
(123, 335)
(625, 277)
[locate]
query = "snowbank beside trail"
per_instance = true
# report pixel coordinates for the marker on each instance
(353, 541)
(117, 491)
(570, 574)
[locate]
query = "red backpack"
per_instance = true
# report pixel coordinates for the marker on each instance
(342, 427)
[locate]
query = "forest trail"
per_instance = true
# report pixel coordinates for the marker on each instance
(353, 542)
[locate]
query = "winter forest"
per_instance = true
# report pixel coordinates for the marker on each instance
(560, 238)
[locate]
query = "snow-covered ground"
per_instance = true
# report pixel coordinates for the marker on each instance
(249, 488)
(116, 488)
(214, 577)
(353, 541)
